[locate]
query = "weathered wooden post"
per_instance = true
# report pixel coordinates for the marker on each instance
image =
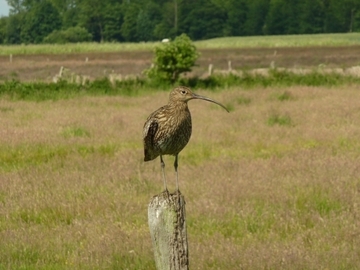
(210, 69)
(166, 216)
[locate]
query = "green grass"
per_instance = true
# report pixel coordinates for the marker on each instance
(282, 41)
(46, 216)
(29, 155)
(74, 131)
(39, 91)
(75, 48)
(74, 188)
(318, 200)
(277, 119)
(228, 42)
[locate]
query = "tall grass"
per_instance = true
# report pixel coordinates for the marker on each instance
(347, 39)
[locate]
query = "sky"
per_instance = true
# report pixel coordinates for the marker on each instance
(4, 8)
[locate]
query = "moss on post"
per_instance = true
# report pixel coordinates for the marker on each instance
(166, 214)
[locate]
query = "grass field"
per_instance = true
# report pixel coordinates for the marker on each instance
(272, 185)
(321, 40)
(43, 67)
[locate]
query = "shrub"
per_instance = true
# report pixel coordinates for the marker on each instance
(172, 59)
(72, 34)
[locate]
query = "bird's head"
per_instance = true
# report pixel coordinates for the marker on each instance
(184, 94)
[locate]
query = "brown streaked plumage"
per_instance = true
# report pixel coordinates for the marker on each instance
(167, 130)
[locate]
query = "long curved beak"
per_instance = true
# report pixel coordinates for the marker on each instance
(196, 96)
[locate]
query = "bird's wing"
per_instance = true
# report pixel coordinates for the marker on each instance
(150, 130)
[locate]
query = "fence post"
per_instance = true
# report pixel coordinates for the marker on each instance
(210, 69)
(166, 216)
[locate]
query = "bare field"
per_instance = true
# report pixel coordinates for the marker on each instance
(272, 185)
(44, 67)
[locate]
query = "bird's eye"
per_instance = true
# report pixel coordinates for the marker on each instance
(183, 92)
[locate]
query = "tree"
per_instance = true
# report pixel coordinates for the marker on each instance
(39, 21)
(144, 27)
(356, 21)
(172, 59)
(335, 22)
(236, 18)
(147, 19)
(69, 11)
(16, 6)
(255, 18)
(129, 28)
(91, 17)
(205, 20)
(3, 22)
(312, 17)
(293, 13)
(276, 19)
(70, 17)
(351, 11)
(113, 19)
(13, 29)
(168, 25)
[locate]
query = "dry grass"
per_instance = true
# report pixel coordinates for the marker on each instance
(74, 189)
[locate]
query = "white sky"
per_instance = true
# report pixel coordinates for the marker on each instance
(4, 8)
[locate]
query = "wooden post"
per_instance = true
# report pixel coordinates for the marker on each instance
(210, 69)
(166, 214)
(61, 71)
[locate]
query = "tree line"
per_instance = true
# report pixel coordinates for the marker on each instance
(60, 21)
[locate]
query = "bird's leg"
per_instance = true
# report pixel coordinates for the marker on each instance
(163, 171)
(176, 171)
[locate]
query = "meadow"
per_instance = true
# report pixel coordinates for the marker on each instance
(322, 40)
(274, 184)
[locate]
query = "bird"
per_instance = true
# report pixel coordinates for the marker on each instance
(168, 129)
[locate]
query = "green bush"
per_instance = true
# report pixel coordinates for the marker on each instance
(172, 59)
(72, 35)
